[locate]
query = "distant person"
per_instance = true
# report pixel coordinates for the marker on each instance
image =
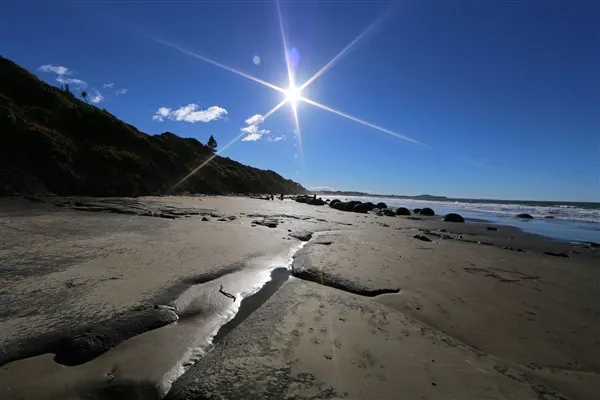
(281, 197)
(272, 197)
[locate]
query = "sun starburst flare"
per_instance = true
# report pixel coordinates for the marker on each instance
(293, 94)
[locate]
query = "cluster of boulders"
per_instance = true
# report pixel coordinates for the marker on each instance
(380, 208)
(311, 200)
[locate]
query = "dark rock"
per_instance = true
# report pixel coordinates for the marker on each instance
(491, 228)
(592, 244)
(415, 218)
(381, 205)
(270, 223)
(386, 212)
(551, 253)
(452, 217)
(422, 237)
(416, 210)
(223, 219)
(303, 199)
(513, 249)
(232, 217)
(549, 216)
(524, 216)
(339, 205)
(369, 206)
(360, 208)
(204, 219)
(333, 202)
(427, 211)
(350, 205)
(316, 202)
(402, 211)
(302, 235)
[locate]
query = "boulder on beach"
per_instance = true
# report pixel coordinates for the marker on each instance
(316, 202)
(453, 217)
(369, 206)
(427, 211)
(303, 199)
(402, 211)
(333, 202)
(416, 210)
(350, 205)
(524, 216)
(360, 208)
(381, 205)
(339, 205)
(386, 212)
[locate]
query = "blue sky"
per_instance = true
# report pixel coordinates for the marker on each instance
(504, 94)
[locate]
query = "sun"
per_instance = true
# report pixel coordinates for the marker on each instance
(292, 94)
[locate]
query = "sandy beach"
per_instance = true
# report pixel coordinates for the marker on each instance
(241, 298)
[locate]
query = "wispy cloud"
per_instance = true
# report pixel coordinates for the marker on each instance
(72, 81)
(317, 188)
(97, 97)
(120, 92)
(253, 130)
(254, 120)
(57, 69)
(190, 113)
(276, 138)
(108, 85)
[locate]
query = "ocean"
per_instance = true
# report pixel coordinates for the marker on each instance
(572, 222)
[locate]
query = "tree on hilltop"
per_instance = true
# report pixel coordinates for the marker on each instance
(212, 143)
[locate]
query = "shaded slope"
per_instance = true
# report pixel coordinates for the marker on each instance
(52, 142)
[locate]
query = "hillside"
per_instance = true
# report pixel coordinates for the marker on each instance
(52, 142)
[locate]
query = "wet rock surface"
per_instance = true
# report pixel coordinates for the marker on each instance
(302, 235)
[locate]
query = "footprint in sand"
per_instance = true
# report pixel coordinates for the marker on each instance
(328, 354)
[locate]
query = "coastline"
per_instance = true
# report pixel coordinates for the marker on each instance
(467, 290)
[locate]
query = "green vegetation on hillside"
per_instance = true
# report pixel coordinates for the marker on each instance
(52, 142)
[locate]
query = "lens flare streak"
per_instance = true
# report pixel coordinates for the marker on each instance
(360, 121)
(346, 49)
(218, 64)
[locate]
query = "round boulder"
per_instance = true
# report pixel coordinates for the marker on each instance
(427, 211)
(402, 211)
(316, 202)
(339, 205)
(333, 202)
(369, 206)
(381, 205)
(350, 205)
(524, 216)
(360, 208)
(416, 210)
(452, 217)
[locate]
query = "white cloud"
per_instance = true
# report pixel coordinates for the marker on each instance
(97, 97)
(57, 69)
(190, 113)
(121, 91)
(276, 138)
(108, 85)
(253, 130)
(253, 137)
(72, 81)
(254, 120)
(161, 114)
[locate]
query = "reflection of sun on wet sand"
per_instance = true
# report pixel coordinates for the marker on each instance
(132, 304)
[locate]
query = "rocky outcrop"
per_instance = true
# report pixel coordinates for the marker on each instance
(333, 202)
(381, 205)
(350, 205)
(360, 208)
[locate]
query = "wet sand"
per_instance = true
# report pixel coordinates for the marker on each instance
(130, 294)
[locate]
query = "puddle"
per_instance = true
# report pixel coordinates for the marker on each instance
(152, 361)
